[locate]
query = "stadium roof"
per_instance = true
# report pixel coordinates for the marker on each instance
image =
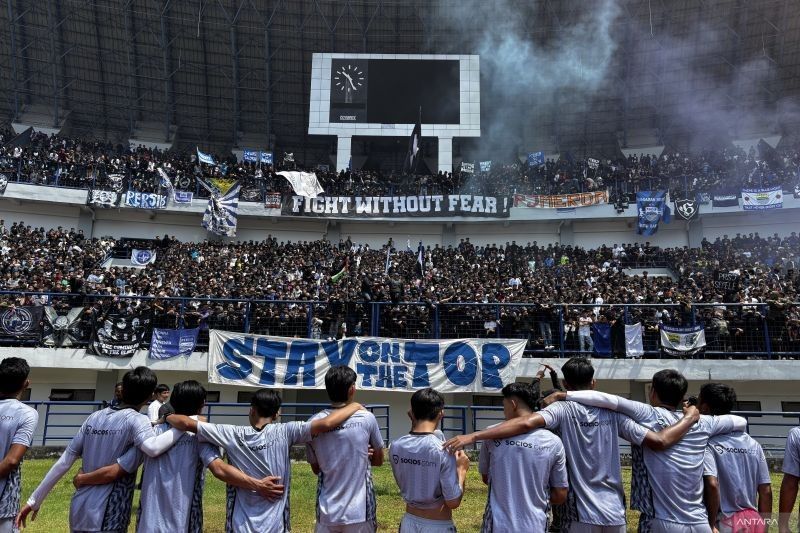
(223, 73)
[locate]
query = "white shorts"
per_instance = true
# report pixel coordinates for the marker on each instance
(580, 527)
(360, 527)
(416, 524)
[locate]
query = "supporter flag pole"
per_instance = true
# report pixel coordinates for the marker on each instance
(421, 258)
(388, 259)
(412, 158)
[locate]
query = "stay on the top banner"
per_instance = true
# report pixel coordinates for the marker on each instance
(465, 365)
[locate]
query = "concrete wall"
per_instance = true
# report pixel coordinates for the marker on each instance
(588, 227)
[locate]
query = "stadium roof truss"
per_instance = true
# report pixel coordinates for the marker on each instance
(224, 73)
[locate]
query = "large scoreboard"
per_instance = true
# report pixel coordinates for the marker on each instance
(385, 94)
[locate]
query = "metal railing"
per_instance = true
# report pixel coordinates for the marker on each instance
(732, 330)
(60, 421)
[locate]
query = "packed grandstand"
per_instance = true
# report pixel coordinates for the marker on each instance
(474, 265)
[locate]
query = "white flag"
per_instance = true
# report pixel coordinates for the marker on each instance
(633, 340)
(303, 183)
(683, 341)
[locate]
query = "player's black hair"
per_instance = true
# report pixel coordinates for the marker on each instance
(720, 398)
(138, 385)
(578, 372)
(188, 397)
(671, 386)
(527, 393)
(426, 404)
(266, 402)
(13, 373)
(161, 388)
(338, 381)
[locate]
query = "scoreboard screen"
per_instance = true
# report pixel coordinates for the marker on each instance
(381, 95)
(393, 91)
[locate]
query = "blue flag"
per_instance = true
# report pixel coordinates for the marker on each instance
(535, 159)
(651, 206)
(167, 343)
(601, 335)
(208, 159)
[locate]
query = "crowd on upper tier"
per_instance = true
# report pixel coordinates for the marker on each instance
(344, 277)
(69, 162)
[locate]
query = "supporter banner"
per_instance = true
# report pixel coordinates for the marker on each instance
(633, 340)
(682, 341)
(303, 183)
(222, 212)
(182, 197)
(468, 168)
(167, 343)
(145, 200)
(703, 198)
(61, 329)
(117, 336)
(249, 195)
(464, 365)
(535, 159)
(208, 159)
(142, 257)
(116, 182)
(464, 205)
(21, 321)
(251, 156)
(486, 166)
(797, 191)
(102, 198)
(687, 209)
(725, 198)
(272, 200)
(183, 182)
(601, 336)
(651, 209)
(255, 156)
(726, 281)
(760, 199)
(593, 163)
(3, 183)
(558, 201)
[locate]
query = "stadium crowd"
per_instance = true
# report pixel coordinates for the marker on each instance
(229, 285)
(54, 160)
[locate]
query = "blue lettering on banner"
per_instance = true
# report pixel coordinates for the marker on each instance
(144, 200)
(235, 366)
(302, 356)
(460, 363)
(421, 355)
(494, 357)
(380, 363)
(271, 351)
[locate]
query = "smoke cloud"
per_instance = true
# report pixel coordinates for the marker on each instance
(689, 79)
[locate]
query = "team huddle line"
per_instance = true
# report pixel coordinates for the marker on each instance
(554, 464)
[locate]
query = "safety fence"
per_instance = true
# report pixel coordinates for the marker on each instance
(732, 330)
(59, 421)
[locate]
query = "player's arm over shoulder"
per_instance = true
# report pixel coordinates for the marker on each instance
(335, 418)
